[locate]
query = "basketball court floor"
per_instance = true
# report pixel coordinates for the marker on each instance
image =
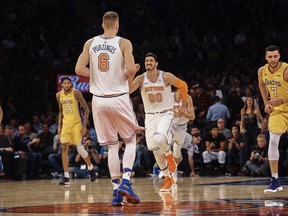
(191, 196)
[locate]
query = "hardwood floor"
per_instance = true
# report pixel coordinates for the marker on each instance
(191, 196)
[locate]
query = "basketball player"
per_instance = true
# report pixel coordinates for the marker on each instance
(179, 125)
(158, 103)
(273, 85)
(70, 127)
(111, 61)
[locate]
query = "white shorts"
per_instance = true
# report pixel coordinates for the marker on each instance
(113, 115)
(157, 123)
(179, 132)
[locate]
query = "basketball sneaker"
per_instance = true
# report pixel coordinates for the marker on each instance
(92, 175)
(172, 165)
(64, 181)
(168, 184)
(117, 199)
(125, 189)
(274, 186)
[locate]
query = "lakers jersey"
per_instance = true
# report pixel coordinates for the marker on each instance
(107, 69)
(156, 95)
(70, 107)
(177, 108)
(277, 86)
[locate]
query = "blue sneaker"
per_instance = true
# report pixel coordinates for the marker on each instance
(274, 186)
(126, 190)
(117, 199)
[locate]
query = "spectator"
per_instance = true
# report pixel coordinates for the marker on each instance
(217, 111)
(24, 145)
(250, 116)
(29, 132)
(201, 101)
(221, 124)
(7, 151)
(37, 124)
(45, 146)
(235, 151)
(234, 104)
(258, 163)
(81, 170)
(191, 145)
(215, 150)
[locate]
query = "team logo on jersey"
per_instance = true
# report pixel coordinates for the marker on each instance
(272, 82)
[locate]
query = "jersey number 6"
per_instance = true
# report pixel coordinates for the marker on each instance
(103, 62)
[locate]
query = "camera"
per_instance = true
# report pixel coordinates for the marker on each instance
(256, 155)
(89, 147)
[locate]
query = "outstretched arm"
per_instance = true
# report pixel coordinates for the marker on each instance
(83, 60)
(134, 84)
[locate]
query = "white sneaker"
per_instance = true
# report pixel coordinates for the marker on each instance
(161, 175)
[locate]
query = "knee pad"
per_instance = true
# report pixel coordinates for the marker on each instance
(273, 152)
(82, 151)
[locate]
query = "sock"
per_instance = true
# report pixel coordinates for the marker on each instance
(66, 174)
(115, 183)
(165, 172)
(90, 167)
(127, 174)
(167, 153)
(275, 175)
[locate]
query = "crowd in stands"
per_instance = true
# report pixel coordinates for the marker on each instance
(216, 48)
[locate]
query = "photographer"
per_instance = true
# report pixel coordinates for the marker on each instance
(80, 170)
(258, 164)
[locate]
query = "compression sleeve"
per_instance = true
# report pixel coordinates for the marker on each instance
(183, 87)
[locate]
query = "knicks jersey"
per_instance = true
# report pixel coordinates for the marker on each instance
(70, 107)
(277, 86)
(107, 68)
(177, 107)
(156, 95)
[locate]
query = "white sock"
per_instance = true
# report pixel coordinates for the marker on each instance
(275, 175)
(66, 174)
(90, 167)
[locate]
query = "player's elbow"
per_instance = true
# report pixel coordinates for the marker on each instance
(78, 70)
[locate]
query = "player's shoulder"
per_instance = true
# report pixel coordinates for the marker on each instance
(260, 70)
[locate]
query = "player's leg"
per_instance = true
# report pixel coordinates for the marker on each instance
(65, 164)
(114, 168)
(273, 155)
(161, 161)
(78, 140)
(128, 161)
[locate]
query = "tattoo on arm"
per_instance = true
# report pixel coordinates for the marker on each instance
(78, 95)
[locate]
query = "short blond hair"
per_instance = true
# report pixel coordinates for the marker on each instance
(261, 136)
(110, 18)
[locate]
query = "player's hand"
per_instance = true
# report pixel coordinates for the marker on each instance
(83, 131)
(183, 109)
(268, 108)
(132, 73)
(59, 131)
(274, 102)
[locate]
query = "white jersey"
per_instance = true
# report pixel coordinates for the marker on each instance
(107, 68)
(156, 95)
(177, 107)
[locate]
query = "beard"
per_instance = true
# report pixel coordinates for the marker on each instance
(274, 65)
(150, 67)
